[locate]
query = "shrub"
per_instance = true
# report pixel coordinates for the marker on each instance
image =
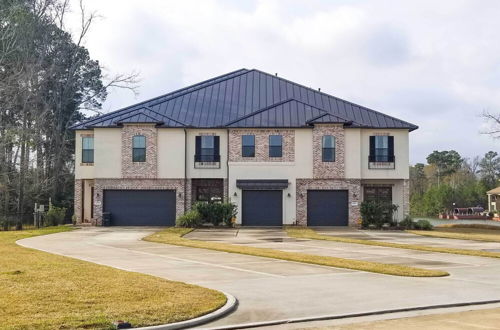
(191, 218)
(216, 213)
(423, 225)
(55, 216)
(407, 223)
(376, 213)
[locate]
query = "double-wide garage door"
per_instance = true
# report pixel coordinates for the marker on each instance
(327, 208)
(140, 207)
(262, 208)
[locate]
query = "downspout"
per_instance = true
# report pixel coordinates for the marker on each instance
(227, 167)
(185, 171)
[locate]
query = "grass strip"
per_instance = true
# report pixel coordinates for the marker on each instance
(311, 234)
(464, 233)
(40, 290)
(174, 236)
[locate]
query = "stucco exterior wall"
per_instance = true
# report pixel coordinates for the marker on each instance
(200, 173)
(82, 170)
(170, 153)
(107, 152)
(401, 153)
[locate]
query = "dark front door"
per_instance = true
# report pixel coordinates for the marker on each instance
(262, 208)
(140, 207)
(327, 208)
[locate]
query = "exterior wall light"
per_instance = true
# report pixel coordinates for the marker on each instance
(235, 194)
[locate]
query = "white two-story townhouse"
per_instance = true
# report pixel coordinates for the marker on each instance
(284, 153)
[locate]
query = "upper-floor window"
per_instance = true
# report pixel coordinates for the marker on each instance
(382, 149)
(248, 145)
(328, 148)
(275, 146)
(207, 148)
(88, 149)
(139, 148)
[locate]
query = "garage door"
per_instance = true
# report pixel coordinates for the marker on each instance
(140, 207)
(262, 208)
(327, 208)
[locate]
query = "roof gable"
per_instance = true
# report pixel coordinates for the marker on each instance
(250, 98)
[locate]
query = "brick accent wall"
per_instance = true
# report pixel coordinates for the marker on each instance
(262, 145)
(136, 184)
(78, 200)
(328, 170)
(147, 169)
(354, 195)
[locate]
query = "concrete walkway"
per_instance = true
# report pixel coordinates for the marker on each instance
(269, 289)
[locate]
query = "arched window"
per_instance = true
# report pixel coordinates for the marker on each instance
(139, 148)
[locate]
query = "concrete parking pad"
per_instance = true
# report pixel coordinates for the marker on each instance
(270, 289)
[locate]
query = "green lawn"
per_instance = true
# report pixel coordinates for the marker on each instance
(44, 291)
(174, 236)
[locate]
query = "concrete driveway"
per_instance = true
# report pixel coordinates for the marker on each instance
(269, 289)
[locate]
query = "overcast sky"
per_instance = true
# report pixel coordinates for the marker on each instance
(433, 63)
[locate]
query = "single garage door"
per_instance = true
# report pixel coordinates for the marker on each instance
(262, 208)
(327, 208)
(140, 207)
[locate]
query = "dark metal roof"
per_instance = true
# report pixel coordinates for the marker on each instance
(247, 98)
(262, 184)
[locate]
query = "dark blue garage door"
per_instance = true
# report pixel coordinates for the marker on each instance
(262, 208)
(140, 207)
(327, 208)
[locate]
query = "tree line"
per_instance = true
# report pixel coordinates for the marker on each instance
(48, 82)
(449, 180)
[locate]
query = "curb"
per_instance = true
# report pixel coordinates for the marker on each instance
(230, 306)
(346, 316)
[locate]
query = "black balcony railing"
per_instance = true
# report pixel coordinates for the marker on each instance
(207, 158)
(382, 162)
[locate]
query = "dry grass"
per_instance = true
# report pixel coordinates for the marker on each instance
(44, 291)
(174, 236)
(311, 234)
(475, 232)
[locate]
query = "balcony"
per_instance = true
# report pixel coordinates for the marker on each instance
(206, 161)
(381, 162)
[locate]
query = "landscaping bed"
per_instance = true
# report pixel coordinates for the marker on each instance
(174, 236)
(45, 291)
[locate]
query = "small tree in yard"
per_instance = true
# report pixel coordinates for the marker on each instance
(376, 213)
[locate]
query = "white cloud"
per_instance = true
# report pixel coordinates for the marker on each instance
(427, 62)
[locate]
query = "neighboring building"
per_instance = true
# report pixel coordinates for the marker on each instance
(493, 198)
(284, 153)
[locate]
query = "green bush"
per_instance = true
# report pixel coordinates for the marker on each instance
(423, 225)
(216, 213)
(407, 223)
(55, 216)
(376, 213)
(191, 219)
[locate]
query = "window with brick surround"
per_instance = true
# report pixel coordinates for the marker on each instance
(248, 145)
(88, 149)
(328, 148)
(139, 148)
(275, 146)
